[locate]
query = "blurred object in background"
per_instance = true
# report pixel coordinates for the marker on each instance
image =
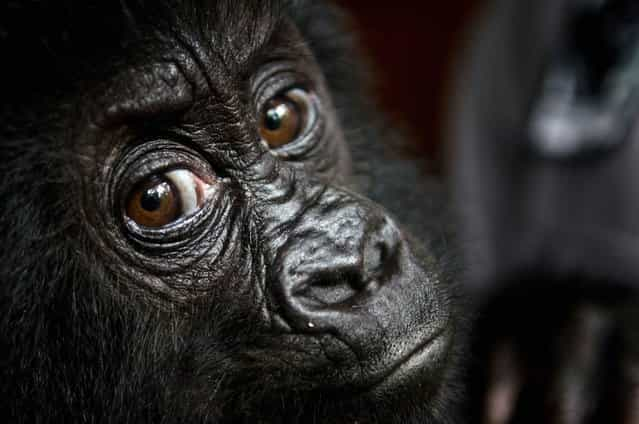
(412, 43)
(545, 131)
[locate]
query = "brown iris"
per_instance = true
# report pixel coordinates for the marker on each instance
(153, 204)
(281, 121)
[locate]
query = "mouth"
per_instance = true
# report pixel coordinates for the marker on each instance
(420, 367)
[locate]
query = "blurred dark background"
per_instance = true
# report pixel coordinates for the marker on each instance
(412, 45)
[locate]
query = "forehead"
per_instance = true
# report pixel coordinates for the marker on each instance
(77, 22)
(231, 30)
(74, 39)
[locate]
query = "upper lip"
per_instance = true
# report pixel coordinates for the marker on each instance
(396, 365)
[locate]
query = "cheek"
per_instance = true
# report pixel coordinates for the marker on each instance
(235, 277)
(336, 146)
(343, 171)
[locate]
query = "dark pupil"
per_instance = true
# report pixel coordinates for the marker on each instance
(151, 199)
(274, 118)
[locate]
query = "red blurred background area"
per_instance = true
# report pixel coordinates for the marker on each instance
(412, 45)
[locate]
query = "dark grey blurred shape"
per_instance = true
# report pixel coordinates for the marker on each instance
(590, 89)
(545, 159)
(545, 154)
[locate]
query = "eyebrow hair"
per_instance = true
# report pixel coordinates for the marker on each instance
(152, 90)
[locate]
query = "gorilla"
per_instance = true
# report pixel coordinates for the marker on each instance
(546, 181)
(192, 229)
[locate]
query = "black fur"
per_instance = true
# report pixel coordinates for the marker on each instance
(81, 340)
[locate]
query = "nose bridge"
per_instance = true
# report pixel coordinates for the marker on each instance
(319, 224)
(330, 234)
(290, 199)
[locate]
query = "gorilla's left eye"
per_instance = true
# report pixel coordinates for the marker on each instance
(163, 199)
(287, 117)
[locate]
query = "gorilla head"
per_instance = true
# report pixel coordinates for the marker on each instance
(185, 228)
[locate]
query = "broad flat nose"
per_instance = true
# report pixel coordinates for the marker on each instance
(339, 259)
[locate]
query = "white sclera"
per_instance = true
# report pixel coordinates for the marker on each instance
(306, 100)
(187, 186)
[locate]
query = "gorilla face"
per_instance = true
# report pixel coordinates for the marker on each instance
(188, 238)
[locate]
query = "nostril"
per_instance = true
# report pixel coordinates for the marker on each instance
(379, 256)
(330, 288)
(375, 261)
(343, 284)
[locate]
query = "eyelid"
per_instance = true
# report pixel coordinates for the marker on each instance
(276, 80)
(156, 157)
(309, 99)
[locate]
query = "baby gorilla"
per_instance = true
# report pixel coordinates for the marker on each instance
(185, 228)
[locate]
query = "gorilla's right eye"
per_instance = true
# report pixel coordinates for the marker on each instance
(163, 199)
